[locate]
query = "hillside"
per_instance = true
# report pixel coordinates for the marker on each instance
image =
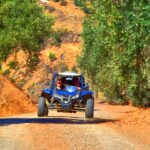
(68, 22)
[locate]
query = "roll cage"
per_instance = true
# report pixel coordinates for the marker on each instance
(68, 79)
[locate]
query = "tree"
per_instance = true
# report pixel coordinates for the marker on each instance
(115, 52)
(23, 25)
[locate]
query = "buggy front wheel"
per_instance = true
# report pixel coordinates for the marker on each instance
(42, 107)
(89, 112)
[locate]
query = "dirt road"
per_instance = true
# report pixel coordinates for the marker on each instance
(63, 131)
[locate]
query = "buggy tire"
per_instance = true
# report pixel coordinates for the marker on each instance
(89, 112)
(42, 107)
(46, 110)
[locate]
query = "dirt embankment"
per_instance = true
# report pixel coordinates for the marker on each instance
(12, 100)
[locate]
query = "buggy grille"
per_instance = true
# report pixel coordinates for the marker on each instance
(65, 97)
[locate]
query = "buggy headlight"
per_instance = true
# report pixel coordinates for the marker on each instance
(57, 95)
(75, 96)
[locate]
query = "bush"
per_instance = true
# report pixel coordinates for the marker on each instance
(85, 5)
(33, 84)
(12, 64)
(12, 80)
(79, 3)
(56, 39)
(63, 2)
(57, 36)
(32, 62)
(22, 83)
(32, 91)
(52, 56)
(6, 72)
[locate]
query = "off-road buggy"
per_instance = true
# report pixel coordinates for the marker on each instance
(67, 93)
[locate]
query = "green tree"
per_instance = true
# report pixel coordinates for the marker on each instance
(115, 53)
(23, 25)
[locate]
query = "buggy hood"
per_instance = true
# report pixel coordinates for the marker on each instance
(68, 91)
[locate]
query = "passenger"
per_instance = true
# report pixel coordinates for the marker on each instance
(76, 83)
(59, 84)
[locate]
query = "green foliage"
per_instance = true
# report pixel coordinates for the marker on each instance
(85, 5)
(80, 3)
(12, 64)
(57, 36)
(33, 84)
(12, 80)
(63, 2)
(6, 72)
(23, 25)
(52, 56)
(56, 39)
(32, 61)
(21, 83)
(32, 91)
(115, 54)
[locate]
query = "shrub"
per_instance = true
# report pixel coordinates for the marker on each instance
(56, 39)
(52, 56)
(63, 2)
(85, 5)
(57, 36)
(80, 3)
(32, 91)
(12, 64)
(6, 72)
(33, 61)
(22, 83)
(33, 84)
(12, 80)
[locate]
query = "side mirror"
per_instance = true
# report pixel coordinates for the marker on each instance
(86, 86)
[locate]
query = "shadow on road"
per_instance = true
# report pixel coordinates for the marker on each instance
(54, 120)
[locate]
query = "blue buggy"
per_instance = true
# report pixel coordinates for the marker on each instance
(67, 93)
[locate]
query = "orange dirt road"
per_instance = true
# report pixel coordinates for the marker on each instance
(64, 131)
